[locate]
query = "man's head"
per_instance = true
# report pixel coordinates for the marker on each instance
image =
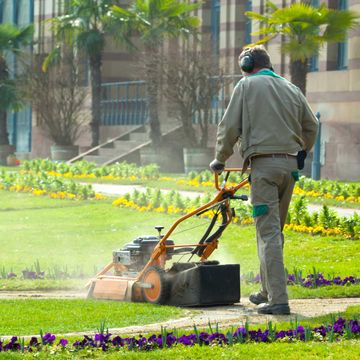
(254, 58)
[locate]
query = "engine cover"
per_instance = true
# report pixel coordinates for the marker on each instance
(136, 254)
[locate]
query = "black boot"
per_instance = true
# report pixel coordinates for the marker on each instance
(258, 298)
(274, 309)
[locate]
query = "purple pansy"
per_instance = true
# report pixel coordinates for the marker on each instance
(63, 342)
(340, 327)
(48, 338)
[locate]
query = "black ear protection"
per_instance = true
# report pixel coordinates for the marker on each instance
(247, 62)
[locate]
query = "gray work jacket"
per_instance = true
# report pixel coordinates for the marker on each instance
(267, 114)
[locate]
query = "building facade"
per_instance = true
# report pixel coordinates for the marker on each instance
(20, 13)
(333, 90)
(333, 82)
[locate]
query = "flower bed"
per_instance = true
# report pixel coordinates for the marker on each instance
(43, 184)
(318, 279)
(341, 329)
(313, 280)
(325, 222)
(89, 170)
(328, 189)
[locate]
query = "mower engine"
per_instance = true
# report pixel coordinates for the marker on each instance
(135, 255)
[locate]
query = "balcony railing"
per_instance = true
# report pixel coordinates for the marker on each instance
(125, 103)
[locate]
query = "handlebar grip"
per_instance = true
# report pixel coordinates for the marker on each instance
(240, 197)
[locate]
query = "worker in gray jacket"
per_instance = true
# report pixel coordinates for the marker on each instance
(274, 126)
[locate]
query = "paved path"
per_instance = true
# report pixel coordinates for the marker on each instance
(118, 190)
(225, 316)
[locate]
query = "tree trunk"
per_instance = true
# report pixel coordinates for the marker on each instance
(95, 71)
(204, 125)
(4, 136)
(189, 134)
(298, 73)
(152, 88)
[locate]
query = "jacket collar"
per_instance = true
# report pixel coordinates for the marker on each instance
(267, 72)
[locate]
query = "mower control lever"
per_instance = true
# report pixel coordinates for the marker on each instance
(159, 228)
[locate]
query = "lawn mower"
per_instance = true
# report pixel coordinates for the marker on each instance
(140, 272)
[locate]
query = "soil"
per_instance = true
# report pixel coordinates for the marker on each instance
(232, 315)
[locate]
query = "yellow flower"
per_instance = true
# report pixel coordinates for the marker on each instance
(166, 178)
(99, 196)
(38, 192)
(207, 183)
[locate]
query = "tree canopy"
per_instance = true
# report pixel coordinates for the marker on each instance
(305, 30)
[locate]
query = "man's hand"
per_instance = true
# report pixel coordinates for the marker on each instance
(217, 166)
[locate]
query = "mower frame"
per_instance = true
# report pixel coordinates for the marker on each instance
(141, 287)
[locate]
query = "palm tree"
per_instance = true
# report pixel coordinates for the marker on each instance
(305, 29)
(12, 39)
(83, 26)
(154, 21)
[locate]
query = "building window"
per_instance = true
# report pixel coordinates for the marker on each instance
(1, 10)
(248, 24)
(24, 12)
(19, 13)
(342, 48)
(314, 60)
(337, 54)
(7, 12)
(215, 26)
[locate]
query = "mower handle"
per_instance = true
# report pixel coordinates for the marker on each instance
(228, 171)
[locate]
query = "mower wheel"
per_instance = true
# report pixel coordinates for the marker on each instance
(160, 289)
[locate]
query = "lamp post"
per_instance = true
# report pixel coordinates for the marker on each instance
(315, 165)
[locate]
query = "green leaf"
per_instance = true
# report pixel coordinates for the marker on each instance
(256, 16)
(52, 58)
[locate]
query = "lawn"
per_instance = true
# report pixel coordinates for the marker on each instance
(78, 237)
(29, 316)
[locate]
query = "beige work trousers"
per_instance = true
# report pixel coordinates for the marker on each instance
(272, 184)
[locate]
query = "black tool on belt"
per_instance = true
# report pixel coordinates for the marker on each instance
(300, 157)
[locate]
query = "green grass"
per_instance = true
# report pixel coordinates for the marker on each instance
(81, 236)
(9, 168)
(300, 292)
(19, 284)
(29, 316)
(61, 233)
(334, 203)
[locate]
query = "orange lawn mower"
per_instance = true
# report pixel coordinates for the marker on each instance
(140, 272)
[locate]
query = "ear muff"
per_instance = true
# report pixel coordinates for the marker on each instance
(247, 63)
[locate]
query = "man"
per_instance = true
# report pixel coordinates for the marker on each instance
(274, 125)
